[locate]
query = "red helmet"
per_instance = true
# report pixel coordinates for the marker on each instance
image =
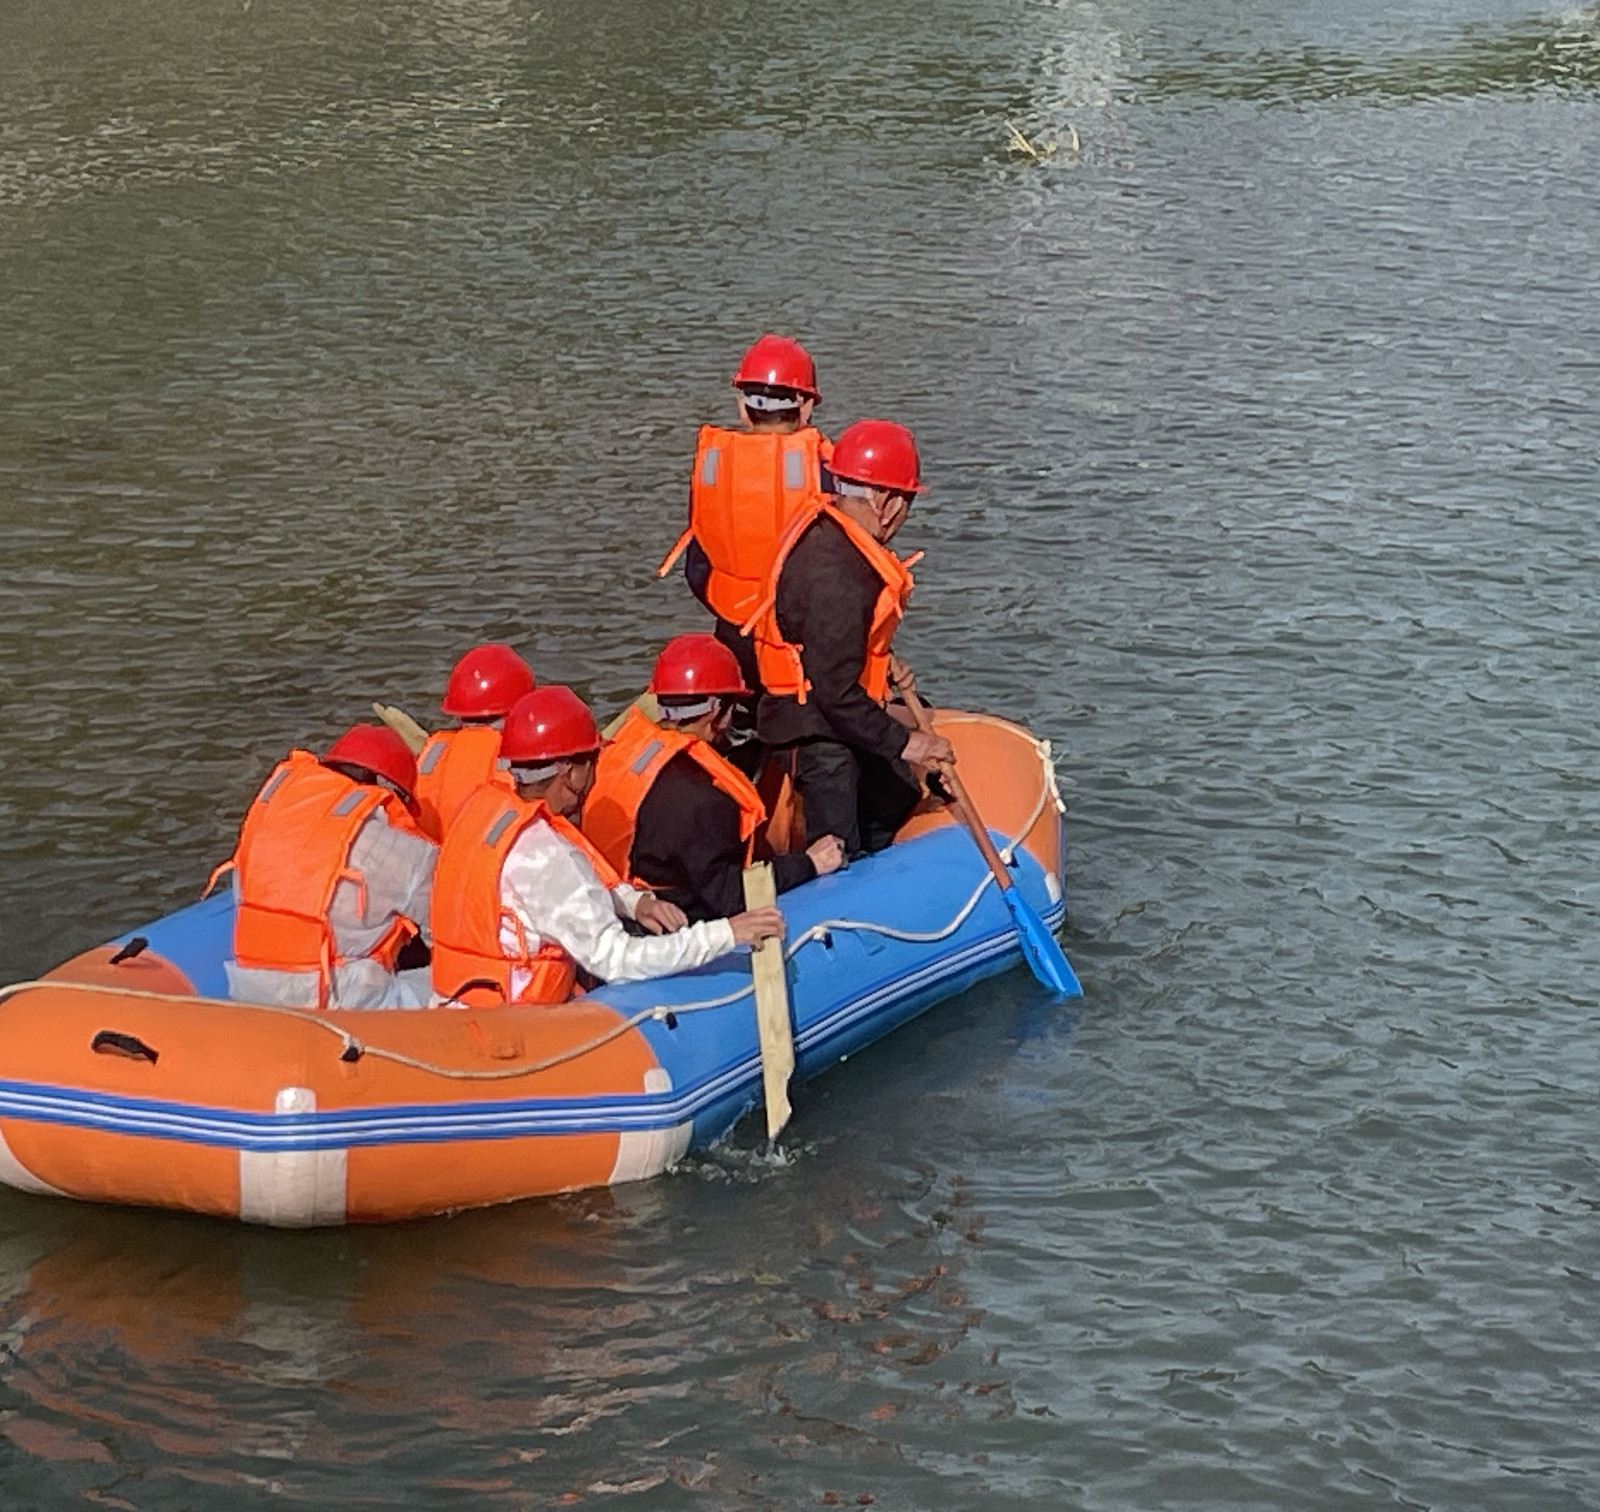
(781, 363)
(486, 682)
(548, 724)
(378, 749)
(878, 452)
(696, 664)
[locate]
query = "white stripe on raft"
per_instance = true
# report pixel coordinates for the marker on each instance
(643, 1153)
(15, 1174)
(293, 1188)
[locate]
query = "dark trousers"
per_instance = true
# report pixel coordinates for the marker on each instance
(743, 647)
(746, 752)
(861, 798)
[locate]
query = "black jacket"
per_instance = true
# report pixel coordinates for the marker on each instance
(826, 597)
(687, 844)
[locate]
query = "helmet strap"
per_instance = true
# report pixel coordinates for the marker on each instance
(531, 776)
(687, 713)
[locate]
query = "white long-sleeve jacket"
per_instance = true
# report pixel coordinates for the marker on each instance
(397, 869)
(552, 888)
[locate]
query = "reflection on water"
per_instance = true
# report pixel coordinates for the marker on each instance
(1558, 52)
(225, 1358)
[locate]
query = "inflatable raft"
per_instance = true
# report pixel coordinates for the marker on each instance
(127, 1076)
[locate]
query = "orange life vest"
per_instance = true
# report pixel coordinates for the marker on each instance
(746, 487)
(293, 852)
(782, 670)
(450, 768)
(470, 965)
(627, 771)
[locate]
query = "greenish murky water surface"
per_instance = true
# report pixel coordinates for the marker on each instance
(1261, 433)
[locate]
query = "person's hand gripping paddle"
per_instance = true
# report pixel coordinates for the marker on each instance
(1040, 948)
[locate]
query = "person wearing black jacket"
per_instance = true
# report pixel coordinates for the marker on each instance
(837, 598)
(670, 810)
(776, 382)
(745, 484)
(688, 842)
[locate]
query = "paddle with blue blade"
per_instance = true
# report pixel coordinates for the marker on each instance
(1040, 948)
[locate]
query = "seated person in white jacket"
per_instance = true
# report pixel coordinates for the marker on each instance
(331, 880)
(522, 901)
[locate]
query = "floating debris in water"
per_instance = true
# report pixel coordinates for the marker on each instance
(1042, 152)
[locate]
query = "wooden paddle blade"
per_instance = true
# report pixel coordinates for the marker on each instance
(772, 1004)
(645, 703)
(403, 725)
(1041, 949)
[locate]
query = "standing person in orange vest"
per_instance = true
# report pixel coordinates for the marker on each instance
(331, 879)
(669, 810)
(823, 636)
(523, 901)
(747, 485)
(453, 764)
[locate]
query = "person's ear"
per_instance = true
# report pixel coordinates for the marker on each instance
(806, 406)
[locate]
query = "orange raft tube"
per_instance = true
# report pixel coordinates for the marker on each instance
(127, 1076)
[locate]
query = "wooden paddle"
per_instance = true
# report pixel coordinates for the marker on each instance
(403, 725)
(1040, 948)
(416, 737)
(645, 703)
(772, 1003)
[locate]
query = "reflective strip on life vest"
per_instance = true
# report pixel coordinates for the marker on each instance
(274, 782)
(432, 755)
(647, 755)
(492, 839)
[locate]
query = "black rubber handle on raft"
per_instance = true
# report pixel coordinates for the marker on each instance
(472, 986)
(129, 1046)
(136, 946)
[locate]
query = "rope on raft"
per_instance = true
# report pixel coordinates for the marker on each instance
(353, 1049)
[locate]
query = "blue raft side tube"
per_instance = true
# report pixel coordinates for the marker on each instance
(197, 939)
(849, 985)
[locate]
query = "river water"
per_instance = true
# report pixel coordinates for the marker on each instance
(1260, 430)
